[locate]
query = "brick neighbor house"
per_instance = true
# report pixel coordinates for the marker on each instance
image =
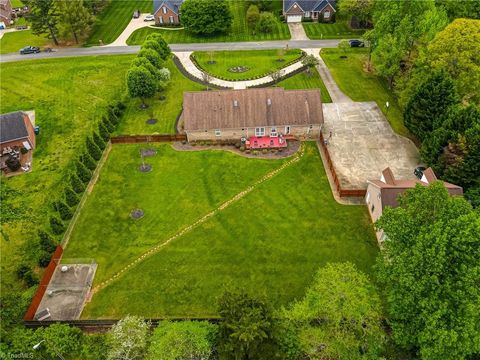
(385, 192)
(317, 10)
(263, 117)
(5, 12)
(167, 12)
(17, 137)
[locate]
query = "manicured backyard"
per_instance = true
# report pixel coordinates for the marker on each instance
(270, 242)
(238, 32)
(257, 63)
(337, 30)
(350, 76)
(69, 96)
(115, 18)
(307, 80)
(14, 41)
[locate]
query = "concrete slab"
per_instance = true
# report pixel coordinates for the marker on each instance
(363, 144)
(67, 291)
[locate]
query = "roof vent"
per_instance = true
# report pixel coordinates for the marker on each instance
(235, 103)
(269, 102)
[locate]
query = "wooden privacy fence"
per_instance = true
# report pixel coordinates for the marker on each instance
(42, 287)
(133, 139)
(341, 192)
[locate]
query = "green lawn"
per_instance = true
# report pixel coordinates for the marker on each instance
(260, 63)
(337, 30)
(69, 96)
(307, 81)
(16, 3)
(14, 41)
(270, 242)
(238, 31)
(115, 18)
(362, 86)
(165, 111)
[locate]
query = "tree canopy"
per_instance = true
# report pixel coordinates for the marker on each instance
(141, 83)
(128, 339)
(430, 272)
(206, 17)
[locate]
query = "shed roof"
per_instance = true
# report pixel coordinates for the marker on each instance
(13, 126)
(230, 109)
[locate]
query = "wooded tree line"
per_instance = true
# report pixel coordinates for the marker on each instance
(63, 19)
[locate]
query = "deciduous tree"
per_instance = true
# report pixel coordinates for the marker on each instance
(128, 339)
(141, 83)
(266, 22)
(152, 56)
(310, 61)
(206, 17)
(362, 9)
(44, 16)
(75, 19)
(430, 269)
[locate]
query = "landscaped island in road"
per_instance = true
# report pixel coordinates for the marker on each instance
(271, 241)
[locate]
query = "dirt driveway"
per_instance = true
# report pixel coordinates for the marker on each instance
(363, 144)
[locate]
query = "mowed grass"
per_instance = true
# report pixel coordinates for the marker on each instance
(165, 111)
(259, 63)
(115, 18)
(337, 30)
(306, 80)
(238, 32)
(360, 85)
(271, 242)
(14, 41)
(69, 96)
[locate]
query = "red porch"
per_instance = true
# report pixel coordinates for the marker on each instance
(266, 142)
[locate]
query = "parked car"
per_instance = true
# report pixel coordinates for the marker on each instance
(418, 172)
(29, 50)
(356, 43)
(149, 18)
(136, 14)
(21, 27)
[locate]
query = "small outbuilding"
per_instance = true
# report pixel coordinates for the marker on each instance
(265, 115)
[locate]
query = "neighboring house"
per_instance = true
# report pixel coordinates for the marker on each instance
(167, 12)
(252, 113)
(5, 11)
(319, 10)
(17, 137)
(385, 192)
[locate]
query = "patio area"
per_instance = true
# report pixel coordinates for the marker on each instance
(14, 154)
(266, 142)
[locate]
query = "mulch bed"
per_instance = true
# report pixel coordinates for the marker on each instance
(145, 168)
(137, 214)
(151, 121)
(292, 148)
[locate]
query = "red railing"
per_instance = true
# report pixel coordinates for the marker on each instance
(42, 287)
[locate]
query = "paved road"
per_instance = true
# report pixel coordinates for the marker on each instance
(116, 50)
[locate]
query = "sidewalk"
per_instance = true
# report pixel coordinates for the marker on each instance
(189, 66)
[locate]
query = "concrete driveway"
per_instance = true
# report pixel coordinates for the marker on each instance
(133, 25)
(363, 144)
(297, 32)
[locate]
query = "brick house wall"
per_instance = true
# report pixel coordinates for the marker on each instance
(5, 11)
(165, 16)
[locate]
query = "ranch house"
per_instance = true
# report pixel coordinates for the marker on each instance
(261, 118)
(167, 12)
(317, 10)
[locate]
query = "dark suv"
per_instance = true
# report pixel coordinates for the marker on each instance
(356, 43)
(30, 50)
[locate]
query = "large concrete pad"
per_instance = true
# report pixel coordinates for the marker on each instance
(363, 144)
(67, 291)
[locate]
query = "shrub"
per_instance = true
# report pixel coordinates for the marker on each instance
(99, 141)
(76, 184)
(88, 161)
(255, 152)
(25, 273)
(93, 149)
(70, 197)
(242, 148)
(23, 150)
(264, 151)
(266, 23)
(44, 258)
(83, 173)
(56, 225)
(13, 164)
(253, 14)
(64, 211)
(238, 145)
(46, 241)
(103, 131)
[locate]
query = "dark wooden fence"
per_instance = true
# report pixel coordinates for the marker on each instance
(341, 192)
(42, 287)
(133, 139)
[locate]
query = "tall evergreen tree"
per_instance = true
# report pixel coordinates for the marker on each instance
(76, 183)
(93, 149)
(428, 104)
(70, 197)
(88, 161)
(44, 17)
(98, 141)
(75, 18)
(82, 172)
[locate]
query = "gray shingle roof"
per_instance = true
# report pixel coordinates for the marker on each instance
(12, 126)
(308, 5)
(173, 5)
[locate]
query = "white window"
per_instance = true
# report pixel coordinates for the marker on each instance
(273, 132)
(307, 14)
(161, 19)
(287, 130)
(326, 14)
(218, 132)
(260, 131)
(164, 9)
(171, 19)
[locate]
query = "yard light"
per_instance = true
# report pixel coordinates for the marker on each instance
(37, 346)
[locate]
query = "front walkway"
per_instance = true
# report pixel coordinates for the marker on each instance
(297, 32)
(335, 93)
(133, 25)
(190, 67)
